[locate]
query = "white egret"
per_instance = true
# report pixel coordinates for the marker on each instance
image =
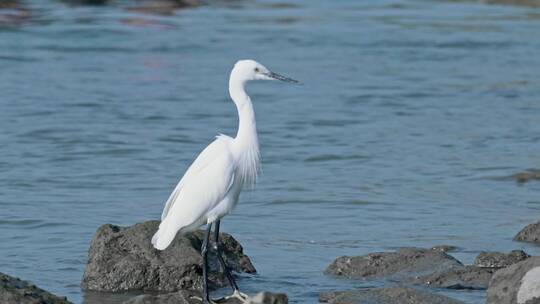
(211, 186)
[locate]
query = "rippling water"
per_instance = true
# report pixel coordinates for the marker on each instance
(410, 114)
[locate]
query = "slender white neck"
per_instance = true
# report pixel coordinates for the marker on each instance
(246, 142)
(247, 127)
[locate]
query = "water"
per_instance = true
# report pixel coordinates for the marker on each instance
(410, 114)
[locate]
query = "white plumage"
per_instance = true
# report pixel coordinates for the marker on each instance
(211, 186)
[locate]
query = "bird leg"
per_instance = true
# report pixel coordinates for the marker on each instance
(217, 248)
(236, 292)
(204, 253)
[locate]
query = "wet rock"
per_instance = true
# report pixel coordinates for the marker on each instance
(530, 174)
(499, 259)
(394, 295)
(444, 248)
(531, 3)
(86, 2)
(531, 233)
(16, 291)
(404, 262)
(163, 7)
(194, 297)
(14, 13)
(516, 284)
(122, 259)
(465, 277)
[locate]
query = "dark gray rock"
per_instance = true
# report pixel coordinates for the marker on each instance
(394, 295)
(194, 297)
(16, 291)
(531, 233)
(464, 277)
(499, 259)
(444, 248)
(533, 301)
(531, 3)
(122, 259)
(163, 7)
(516, 284)
(530, 174)
(405, 262)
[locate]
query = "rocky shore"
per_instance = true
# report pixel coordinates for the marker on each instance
(17, 291)
(416, 270)
(122, 259)
(412, 273)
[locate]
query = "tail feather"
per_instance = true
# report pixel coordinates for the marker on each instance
(163, 237)
(167, 231)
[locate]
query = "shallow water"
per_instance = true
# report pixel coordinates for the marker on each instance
(410, 113)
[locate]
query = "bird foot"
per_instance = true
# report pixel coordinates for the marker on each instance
(244, 298)
(203, 300)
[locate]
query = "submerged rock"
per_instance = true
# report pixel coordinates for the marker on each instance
(404, 262)
(444, 248)
(531, 3)
(194, 297)
(530, 174)
(463, 277)
(123, 258)
(516, 284)
(17, 291)
(531, 233)
(163, 7)
(394, 295)
(499, 259)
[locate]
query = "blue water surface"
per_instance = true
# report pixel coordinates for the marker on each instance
(411, 114)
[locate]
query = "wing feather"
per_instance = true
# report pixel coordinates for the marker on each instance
(218, 146)
(204, 185)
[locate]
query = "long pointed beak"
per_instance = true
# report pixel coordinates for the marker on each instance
(281, 77)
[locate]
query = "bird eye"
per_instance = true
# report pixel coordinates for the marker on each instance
(257, 70)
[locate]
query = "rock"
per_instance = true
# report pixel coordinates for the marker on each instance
(394, 295)
(194, 297)
(464, 277)
(14, 13)
(530, 174)
(404, 262)
(122, 259)
(16, 291)
(499, 259)
(163, 7)
(85, 2)
(516, 284)
(531, 3)
(531, 233)
(444, 248)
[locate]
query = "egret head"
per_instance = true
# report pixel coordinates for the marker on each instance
(252, 70)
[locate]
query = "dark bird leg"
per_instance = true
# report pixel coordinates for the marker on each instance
(217, 248)
(204, 253)
(236, 292)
